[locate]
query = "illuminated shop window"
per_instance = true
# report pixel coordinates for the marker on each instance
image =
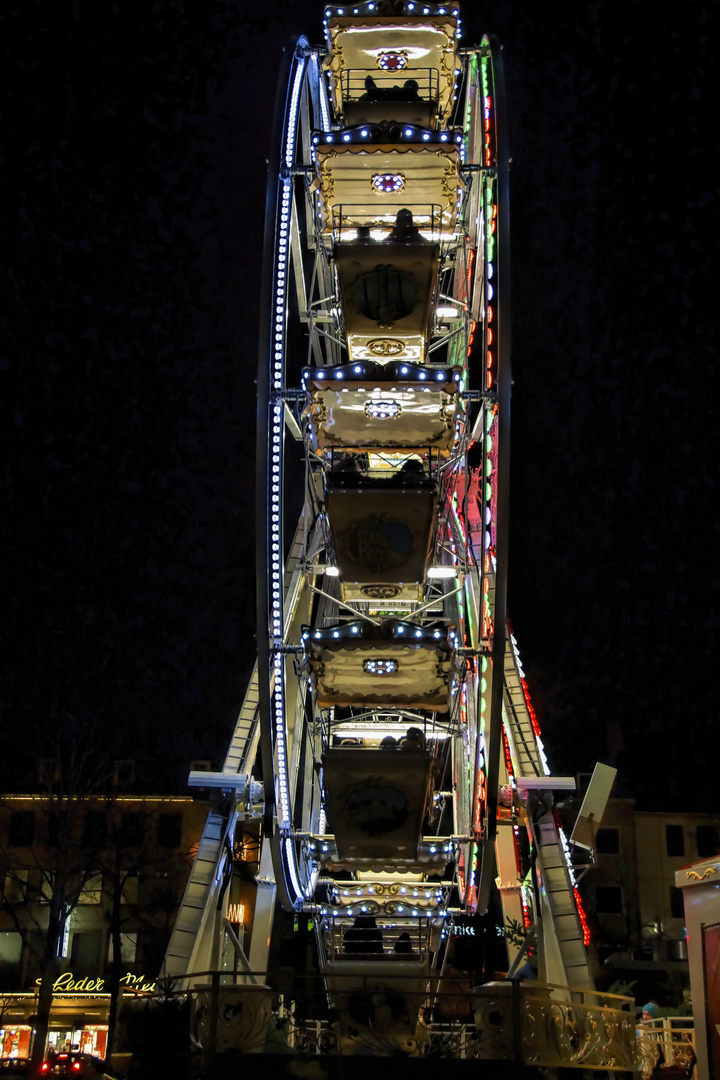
(388, 183)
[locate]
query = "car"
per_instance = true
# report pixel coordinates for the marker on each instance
(14, 1066)
(75, 1063)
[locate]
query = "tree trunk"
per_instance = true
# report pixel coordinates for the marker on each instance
(42, 1022)
(115, 971)
(49, 969)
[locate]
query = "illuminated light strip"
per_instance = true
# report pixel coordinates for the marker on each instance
(516, 651)
(541, 755)
(280, 743)
(277, 420)
(490, 215)
(530, 709)
(566, 850)
(488, 621)
(292, 113)
(525, 913)
(292, 867)
(508, 756)
(458, 520)
(387, 889)
(322, 91)
(481, 793)
(487, 106)
(516, 832)
(283, 241)
(583, 917)
(471, 98)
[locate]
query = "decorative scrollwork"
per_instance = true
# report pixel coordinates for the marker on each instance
(385, 347)
(694, 874)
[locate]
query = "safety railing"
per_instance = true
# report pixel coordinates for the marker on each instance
(667, 1042)
(377, 1012)
(374, 86)
(363, 223)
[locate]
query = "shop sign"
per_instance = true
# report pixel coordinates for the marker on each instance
(68, 984)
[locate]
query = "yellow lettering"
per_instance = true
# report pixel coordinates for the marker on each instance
(67, 984)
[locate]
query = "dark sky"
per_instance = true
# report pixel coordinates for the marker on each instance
(133, 152)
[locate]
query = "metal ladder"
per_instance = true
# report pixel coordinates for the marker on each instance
(560, 926)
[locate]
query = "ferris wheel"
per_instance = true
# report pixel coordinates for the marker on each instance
(403, 776)
(383, 404)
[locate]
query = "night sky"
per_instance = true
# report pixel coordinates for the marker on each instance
(134, 147)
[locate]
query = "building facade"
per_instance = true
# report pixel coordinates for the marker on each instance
(80, 879)
(630, 894)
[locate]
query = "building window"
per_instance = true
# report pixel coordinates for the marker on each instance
(58, 829)
(22, 828)
(91, 892)
(128, 948)
(707, 844)
(130, 889)
(674, 840)
(677, 907)
(607, 842)
(10, 947)
(95, 830)
(15, 891)
(608, 900)
(132, 829)
(169, 830)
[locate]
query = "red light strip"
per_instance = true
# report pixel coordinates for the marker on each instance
(583, 919)
(531, 711)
